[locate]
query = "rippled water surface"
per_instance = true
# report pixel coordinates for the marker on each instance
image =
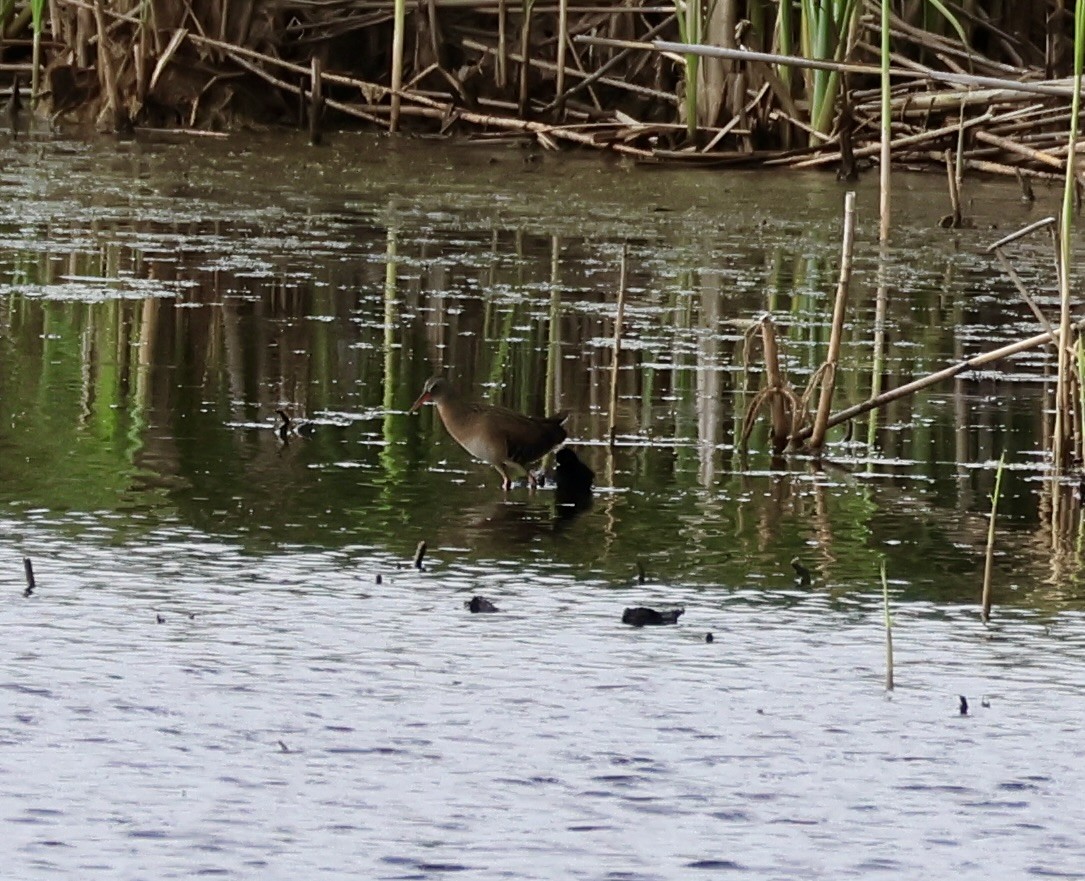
(229, 665)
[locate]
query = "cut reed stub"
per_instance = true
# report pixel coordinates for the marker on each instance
(419, 555)
(28, 570)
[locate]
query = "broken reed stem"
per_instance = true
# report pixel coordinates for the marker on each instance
(828, 380)
(988, 563)
(936, 377)
(781, 427)
(888, 631)
(419, 554)
(619, 320)
(954, 193)
(1023, 291)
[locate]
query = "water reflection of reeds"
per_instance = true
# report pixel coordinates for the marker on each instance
(166, 401)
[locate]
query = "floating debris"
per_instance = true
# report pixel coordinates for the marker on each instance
(640, 616)
(160, 618)
(964, 705)
(480, 604)
(378, 579)
(708, 637)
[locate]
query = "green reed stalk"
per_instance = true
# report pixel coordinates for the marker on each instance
(785, 30)
(37, 17)
(888, 631)
(1062, 395)
(1080, 349)
(7, 7)
(988, 564)
(691, 24)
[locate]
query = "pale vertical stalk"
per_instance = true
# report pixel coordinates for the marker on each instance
(563, 26)
(828, 379)
(774, 380)
(1062, 393)
(888, 631)
(887, 129)
(618, 322)
(391, 300)
(399, 21)
(881, 310)
(501, 75)
(553, 348)
(989, 558)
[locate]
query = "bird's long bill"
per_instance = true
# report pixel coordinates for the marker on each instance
(423, 398)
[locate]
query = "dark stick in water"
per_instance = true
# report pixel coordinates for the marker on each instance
(28, 568)
(419, 553)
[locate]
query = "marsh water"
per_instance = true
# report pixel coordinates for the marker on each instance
(228, 665)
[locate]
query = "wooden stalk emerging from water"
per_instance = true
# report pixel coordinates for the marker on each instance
(399, 22)
(828, 369)
(888, 632)
(934, 378)
(619, 320)
(776, 392)
(316, 101)
(988, 564)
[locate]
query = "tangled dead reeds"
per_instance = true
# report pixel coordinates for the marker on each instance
(561, 73)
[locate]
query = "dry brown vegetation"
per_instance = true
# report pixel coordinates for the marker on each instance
(586, 74)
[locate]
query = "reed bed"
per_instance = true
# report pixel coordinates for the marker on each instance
(752, 83)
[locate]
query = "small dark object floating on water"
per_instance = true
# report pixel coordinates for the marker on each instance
(640, 616)
(964, 705)
(480, 604)
(801, 572)
(708, 637)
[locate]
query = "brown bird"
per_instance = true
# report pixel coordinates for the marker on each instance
(499, 437)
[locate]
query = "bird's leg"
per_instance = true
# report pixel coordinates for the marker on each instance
(506, 481)
(532, 480)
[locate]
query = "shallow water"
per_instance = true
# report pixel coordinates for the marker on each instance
(209, 679)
